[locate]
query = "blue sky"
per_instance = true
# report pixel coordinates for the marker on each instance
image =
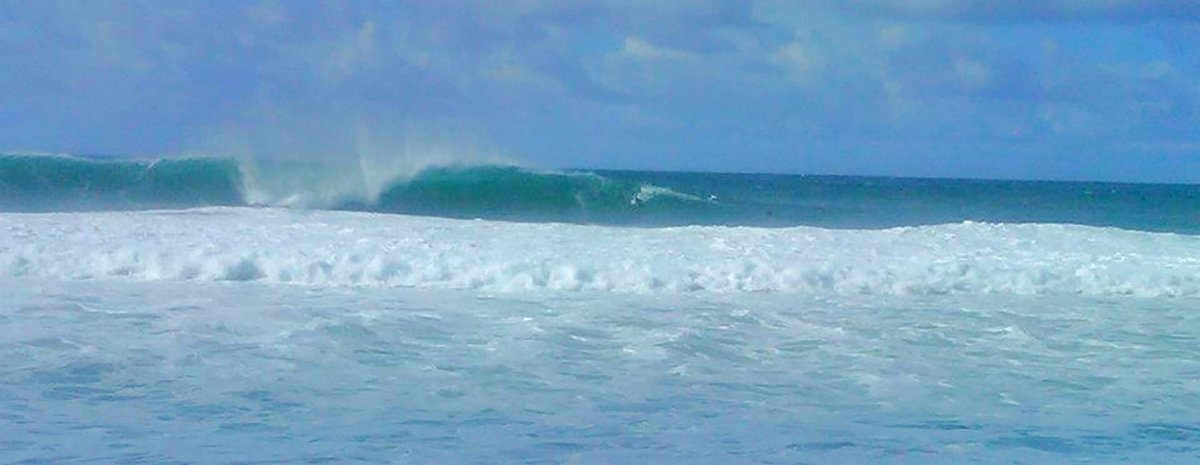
(1052, 89)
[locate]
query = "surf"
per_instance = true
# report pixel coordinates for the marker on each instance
(327, 248)
(70, 183)
(450, 187)
(49, 183)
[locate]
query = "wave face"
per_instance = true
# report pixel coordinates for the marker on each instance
(505, 192)
(60, 183)
(362, 249)
(57, 183)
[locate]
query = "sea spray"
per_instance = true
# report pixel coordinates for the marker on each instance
(64, 183)
(405, 185)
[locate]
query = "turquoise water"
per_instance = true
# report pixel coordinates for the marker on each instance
(201, 373)
(217, 311)
(59, 183)
(872, 202)
(244, 373)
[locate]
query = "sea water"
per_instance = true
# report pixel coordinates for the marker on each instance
(155, 315)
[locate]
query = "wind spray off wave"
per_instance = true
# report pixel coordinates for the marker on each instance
(63, 183)
(247, 324)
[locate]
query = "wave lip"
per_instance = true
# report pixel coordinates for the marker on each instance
(63, 183)
(357, 249)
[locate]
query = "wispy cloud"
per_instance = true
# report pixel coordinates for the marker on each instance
(1021, 10)
(824, 86)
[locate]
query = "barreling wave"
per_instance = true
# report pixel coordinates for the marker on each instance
(406, 185)
(64, 183)
(507, 192)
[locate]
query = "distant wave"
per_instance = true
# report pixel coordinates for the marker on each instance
(64, 183)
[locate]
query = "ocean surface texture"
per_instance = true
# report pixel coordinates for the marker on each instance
(215, 311)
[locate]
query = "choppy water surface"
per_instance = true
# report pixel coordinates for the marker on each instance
(240, 372)
(217, 311)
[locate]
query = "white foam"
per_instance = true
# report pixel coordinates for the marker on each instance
(360, 249)
(648, 192)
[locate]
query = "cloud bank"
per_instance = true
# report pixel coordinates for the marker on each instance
(1055, 89)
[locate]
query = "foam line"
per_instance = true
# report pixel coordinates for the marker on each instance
(363, 249)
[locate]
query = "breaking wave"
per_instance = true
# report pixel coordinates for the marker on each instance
(57, 183)
(41, 183)
(364, 249)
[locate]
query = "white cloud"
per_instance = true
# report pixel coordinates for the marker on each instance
(353, 52)
(268, 13)
(638, 49)
(1064, 120)
(800, 58)
(639, 67)
(972, 74)
(892, 36)
(1025, 10)
(830, 68)
(505, 66)
(1159, 69)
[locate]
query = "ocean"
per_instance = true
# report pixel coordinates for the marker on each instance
(211, 310)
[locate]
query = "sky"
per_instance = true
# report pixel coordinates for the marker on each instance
(1048, 89)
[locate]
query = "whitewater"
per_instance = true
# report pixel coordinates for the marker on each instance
(374, 250)
(165, 313)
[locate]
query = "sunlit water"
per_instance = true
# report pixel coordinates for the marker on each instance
(185, 372)
(965, 322)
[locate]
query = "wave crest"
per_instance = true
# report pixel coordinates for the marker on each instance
(64, 183)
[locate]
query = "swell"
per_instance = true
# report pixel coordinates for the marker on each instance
(512, 193)
(35, 183)
(63, 183)
(39, 183)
